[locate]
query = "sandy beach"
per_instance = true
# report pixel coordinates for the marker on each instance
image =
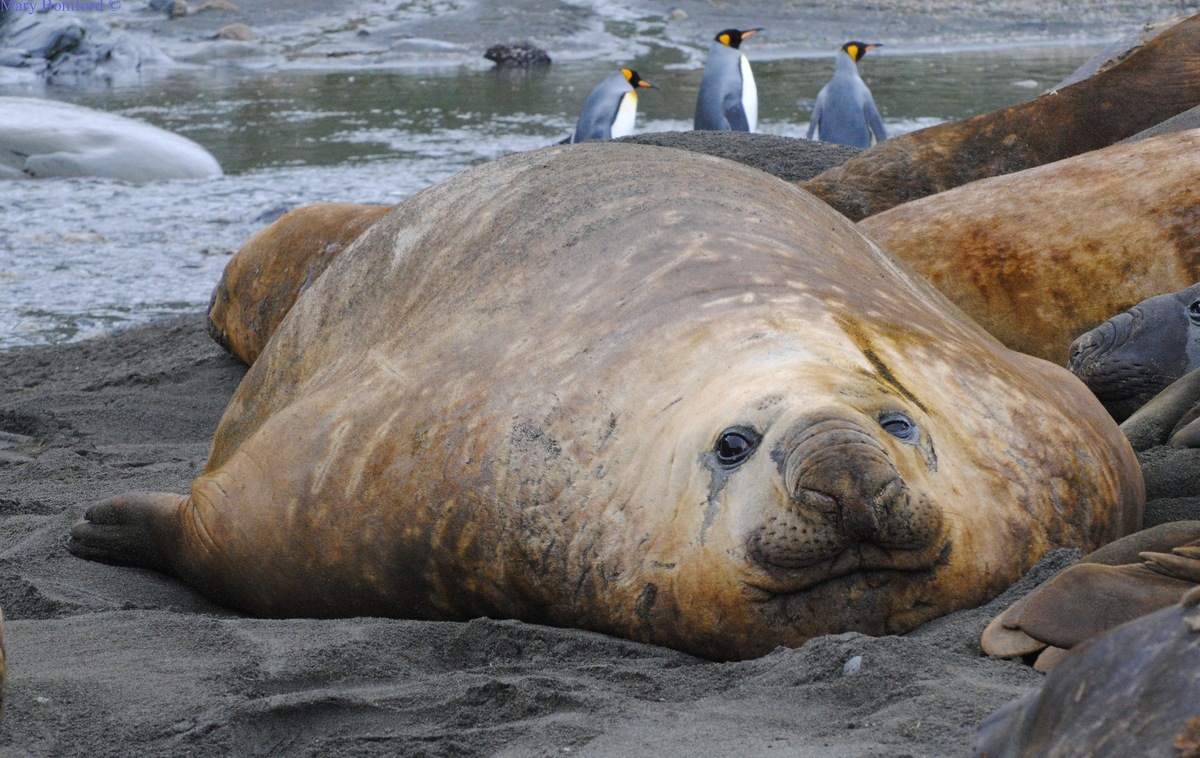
(109, 661)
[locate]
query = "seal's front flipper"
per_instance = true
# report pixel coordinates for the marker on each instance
(134, 529)
(1167, 415)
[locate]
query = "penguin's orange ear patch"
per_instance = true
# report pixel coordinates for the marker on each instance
(852, 50)
(724, 39)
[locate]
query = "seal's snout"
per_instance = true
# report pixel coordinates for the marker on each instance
(1090, 349)
(1130, 358)
(845, 490)
(1082, 350)
(842, 470)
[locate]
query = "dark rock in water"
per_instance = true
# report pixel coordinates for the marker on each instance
(789, 158)
(64, 46)
(521, 55)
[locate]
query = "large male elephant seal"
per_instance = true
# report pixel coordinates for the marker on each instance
(639, 391)
(1134, 355)
(1040, 256)
(263, 279)
(1133, 691)
(1158, 81)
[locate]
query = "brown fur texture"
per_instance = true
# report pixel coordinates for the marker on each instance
(275, 266)
(522, 397)
(1158, 81)
(1041, 256)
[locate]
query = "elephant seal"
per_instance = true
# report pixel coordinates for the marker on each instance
(639, 391)
(263, 279)
(1120, 49)
(1133, 691)
(75, 141)
(1159, 80)
(1126, 579)
(1134, 355)
(1169, 418)
(1041, 256)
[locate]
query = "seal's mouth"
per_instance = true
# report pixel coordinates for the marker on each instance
(877, 566)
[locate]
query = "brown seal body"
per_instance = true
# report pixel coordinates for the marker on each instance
(1133, 691)
(276, 265)
(1158, 81)
(1131, 577)
(1041, 256)
(638, 391)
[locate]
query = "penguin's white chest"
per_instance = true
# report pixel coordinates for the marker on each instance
(749, 94)
(622, 125)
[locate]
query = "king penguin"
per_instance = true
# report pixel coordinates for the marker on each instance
(728, 98)
(611, 107)
(845, 112)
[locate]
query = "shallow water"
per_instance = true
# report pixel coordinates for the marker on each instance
(80, 256)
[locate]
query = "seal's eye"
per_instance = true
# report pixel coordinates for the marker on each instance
(899, 426)
(735, 445)
(1193, 311)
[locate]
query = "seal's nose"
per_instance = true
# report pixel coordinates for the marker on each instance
(1084, 346)
(845, 487)
(841, 470)
(1089, 349)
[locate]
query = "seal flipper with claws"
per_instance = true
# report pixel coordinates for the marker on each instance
(594, 386)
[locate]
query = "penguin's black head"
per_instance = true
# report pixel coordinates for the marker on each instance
(636, 81)
(733, 37)
(856, 50)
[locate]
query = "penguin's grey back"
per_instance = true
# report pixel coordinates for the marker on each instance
(720, 90)
(845, 111)
(600, 109)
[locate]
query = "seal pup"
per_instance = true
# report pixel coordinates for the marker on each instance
(1042, 255)
(591, 386)
(845, 111)
(1158, 81)
(1136, 354)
